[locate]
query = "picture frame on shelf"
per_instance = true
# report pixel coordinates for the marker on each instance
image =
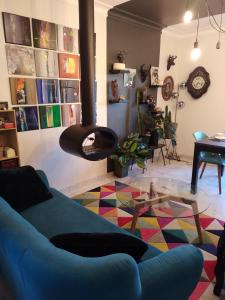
(154, 76)
(17, 29)
(4, 105)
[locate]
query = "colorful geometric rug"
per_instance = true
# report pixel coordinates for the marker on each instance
(163, 233)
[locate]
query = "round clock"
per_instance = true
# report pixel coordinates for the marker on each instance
(167, 88)
(198, 82)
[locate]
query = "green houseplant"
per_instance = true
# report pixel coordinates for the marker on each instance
(170, 127)
(132, 150)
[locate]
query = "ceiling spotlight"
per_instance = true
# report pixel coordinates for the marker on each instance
(188, 16)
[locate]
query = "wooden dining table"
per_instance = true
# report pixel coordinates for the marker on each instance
(208, 145)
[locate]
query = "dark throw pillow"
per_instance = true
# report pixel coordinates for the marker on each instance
(22, 187)
(100, 244)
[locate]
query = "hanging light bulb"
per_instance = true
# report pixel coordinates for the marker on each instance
(196, 51)
(188, 16)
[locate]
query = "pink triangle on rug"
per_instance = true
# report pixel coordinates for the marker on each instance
(164, 221)
(174, 245)
(104, 210)
(136, 194)
(209, 267)
(221, 222)
(147, 234)
(110, 187)
(199, 290)
(124, 220)
(105, 194)
(129, 189)
(205, 222)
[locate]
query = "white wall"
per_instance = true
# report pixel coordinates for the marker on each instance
(41, 148)
(208, 112)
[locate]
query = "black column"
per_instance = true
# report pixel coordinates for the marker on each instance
(86, 17)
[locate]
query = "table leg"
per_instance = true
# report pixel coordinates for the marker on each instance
(134, 221)
(198, 226)
(195, 168)
(163, 156)
(153, 152)
(222, 171)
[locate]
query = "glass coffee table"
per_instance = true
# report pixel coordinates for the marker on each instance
(162, 197)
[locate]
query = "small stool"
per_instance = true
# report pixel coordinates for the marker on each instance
(160, 146)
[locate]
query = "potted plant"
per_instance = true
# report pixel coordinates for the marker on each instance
(132, 150)
(170, 127)
(153, 124)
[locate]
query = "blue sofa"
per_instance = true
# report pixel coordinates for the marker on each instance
(34, 269)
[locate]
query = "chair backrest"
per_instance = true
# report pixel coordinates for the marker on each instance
(199, 135)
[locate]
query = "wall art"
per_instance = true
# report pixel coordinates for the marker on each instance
(23, 91)
(17, 29)
(26, 118)
(67, 39)
(167, 88)
(44, 34)
(4, 105)
(46, 64)
(69, 90)
(68, 112)
(129, 78)
(50, 116)
(20, 60)
(69, 66)
(47, 91)
(154, 76)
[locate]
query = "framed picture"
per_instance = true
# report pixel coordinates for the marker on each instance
(154, 76)
(23, 91)
(4, 106)
(46, 64)
(17, 29)
(44, 34)
(26, 118)
(47, 91)
(50, 116)
(68, 39)
(129, 78)
(167, 88)
(70, 114)
(20, 60)
(69, 66)
(69, 90)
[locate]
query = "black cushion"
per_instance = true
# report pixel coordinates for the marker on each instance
(22, 187)
(100, 244)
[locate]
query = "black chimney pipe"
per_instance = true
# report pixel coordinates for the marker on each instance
(87, 85)
(88, 140)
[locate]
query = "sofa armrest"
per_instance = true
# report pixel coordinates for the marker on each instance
(62, 275)
(43, 177)
(171, 275)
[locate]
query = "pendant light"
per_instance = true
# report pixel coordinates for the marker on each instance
(188, 16)
(196, 51)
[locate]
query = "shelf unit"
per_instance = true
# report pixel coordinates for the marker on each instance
(8, 138)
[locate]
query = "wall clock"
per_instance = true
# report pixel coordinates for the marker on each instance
(167, 88)
(198, 82)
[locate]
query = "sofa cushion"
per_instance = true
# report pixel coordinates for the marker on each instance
(100, 244)
(22, 187)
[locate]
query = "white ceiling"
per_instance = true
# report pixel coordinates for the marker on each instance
(190, 28)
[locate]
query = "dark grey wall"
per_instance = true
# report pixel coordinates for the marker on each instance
(142, 45)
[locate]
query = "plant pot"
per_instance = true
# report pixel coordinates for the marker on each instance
(170, 130)
(120, 171)
(154, 139)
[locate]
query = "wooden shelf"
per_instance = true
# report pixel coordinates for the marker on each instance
(118, 102)
(6, 111)
(7, 129)
(119, 71)
(8, 158)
